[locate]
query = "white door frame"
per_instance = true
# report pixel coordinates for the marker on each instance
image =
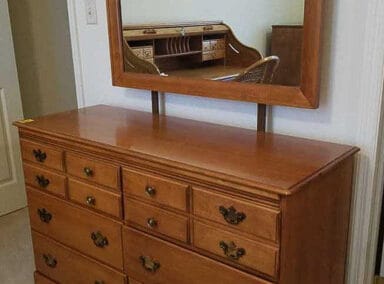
(369, 131)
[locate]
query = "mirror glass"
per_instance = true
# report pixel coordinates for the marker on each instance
(247, 41)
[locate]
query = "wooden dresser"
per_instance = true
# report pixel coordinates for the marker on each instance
(121, 196)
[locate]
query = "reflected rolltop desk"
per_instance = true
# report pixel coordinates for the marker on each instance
(207, 50)
(121, 196)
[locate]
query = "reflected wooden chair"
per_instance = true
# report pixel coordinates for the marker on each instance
(261, 72)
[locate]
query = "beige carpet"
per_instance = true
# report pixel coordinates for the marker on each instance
(16, 257)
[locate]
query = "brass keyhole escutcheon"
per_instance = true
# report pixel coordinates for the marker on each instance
(99, 240)
(44, 215)
(88, 172)
(231, 215)
(40, 156)
(231, 250)
(49, 260)
(150, 191)
(149, 264)
(90, 200)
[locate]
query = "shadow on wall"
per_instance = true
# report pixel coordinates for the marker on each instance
(43, 55)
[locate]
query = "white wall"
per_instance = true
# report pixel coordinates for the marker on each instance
(348, 113)
(251, 20)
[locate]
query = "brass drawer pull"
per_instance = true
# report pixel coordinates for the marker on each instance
(231, 215)
(90, 200)
(40, 156)
(44, 215)
(42, 181)
(150, 191)
(88, 172)
(152, 223)
(149, 264)
(231, 250)
(50, 260)
(208, 28)
(99, 240)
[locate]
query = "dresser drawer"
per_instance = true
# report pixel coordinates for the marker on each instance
(244, 216)
(156, 189)
(156, 219)
(42, 154)
(151, 260)
(64, 265)
(239, 250)
(93, 170)
(41, 279)
(45, 180)
(95, 197)
(90, 233)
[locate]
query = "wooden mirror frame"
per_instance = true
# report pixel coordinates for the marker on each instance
(304, 96)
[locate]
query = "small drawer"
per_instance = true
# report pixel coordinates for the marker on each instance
(244, 216)
(42, 154)
(44, 180)
(89, 233)
(41, 279)
(207, 45)
(64, 265)
(156, 219)
(93, 170)
(239, 250)
(148, 53)
(95, 197)
(156, 189)
(139, 52)
(213, 55)
(151, 260)
(220, 44)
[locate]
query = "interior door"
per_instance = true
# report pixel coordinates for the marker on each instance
(12, 193)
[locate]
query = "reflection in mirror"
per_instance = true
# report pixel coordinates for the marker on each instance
(255, 41)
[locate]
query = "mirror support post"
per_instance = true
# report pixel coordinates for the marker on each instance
(155, 102)
(261, 117)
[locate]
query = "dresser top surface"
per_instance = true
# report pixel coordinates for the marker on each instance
(273, 162)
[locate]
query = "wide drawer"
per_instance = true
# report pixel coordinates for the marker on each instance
(41, 279)
(42, 154)
(239, 250)
(155, 219)
(93, 170)
(90, 233)
(95, 197)
(151, 260)
(44, 180)
(64, 265)
(156, 189)
(244, 216)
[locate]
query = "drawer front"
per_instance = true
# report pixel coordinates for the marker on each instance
(41, 279)
(95, 198)
(67, 266)
(148, 52)
(96, 171)
(151, 260)
(244, 216)
(213, 55)
(89, 233)
(239, 250)
(156, 189)
(156, 219)
(206, 45)
(42, 154)
(45, 180)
